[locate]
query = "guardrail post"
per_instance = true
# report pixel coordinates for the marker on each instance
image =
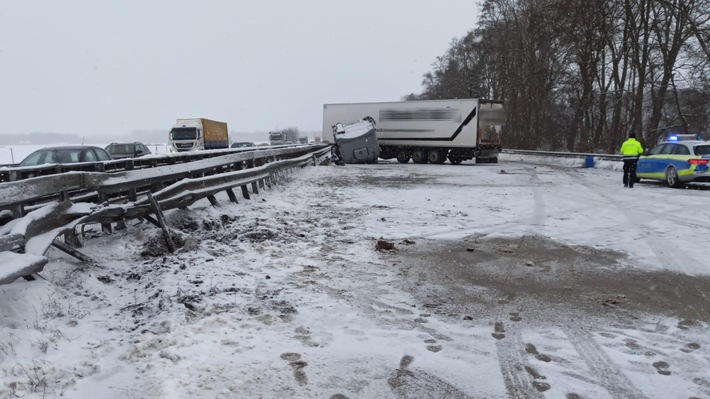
(132, 194)
(213, 200)
(105, 227)
(163, 225)
(245, 192)
(18, 211)
(71, 251)
(231, 195)
(72, 239)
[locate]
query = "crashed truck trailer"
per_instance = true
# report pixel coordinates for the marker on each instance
(427, 131)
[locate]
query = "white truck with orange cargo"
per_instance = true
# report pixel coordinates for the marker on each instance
(197, 134)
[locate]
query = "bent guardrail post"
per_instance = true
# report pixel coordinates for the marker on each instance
(163, 225)
(69, 250)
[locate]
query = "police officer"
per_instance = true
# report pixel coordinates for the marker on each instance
(630, 149)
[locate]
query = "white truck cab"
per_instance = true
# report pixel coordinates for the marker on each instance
(197, 134)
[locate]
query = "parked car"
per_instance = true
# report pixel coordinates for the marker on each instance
(676, 163)
(66, 154)
(242, 144)
(127, 150)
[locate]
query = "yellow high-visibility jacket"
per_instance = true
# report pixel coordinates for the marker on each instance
(631, 148)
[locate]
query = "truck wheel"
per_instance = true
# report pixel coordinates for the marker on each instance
(419, 156)
(403, 156)
(455, 160)
(387, 154)
(436, 156)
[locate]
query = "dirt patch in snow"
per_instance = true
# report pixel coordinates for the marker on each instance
(537, 275)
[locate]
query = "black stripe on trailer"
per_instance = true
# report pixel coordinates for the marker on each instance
(456, 132)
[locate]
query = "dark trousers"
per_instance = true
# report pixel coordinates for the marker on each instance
(629, 172)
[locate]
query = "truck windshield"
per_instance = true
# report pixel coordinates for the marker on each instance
(491, 118)
(183, 133)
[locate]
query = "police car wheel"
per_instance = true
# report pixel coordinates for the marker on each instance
(672, 177)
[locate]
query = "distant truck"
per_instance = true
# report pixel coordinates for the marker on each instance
(277, 138)
(197, 134)
(429, 130)
(303, 140)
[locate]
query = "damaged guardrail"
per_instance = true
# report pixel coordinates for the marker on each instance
(25, 239)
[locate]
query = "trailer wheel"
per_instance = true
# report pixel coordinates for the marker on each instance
(436, 156)
(403, 156)
(419, 156)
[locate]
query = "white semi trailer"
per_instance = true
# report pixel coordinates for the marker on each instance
(428, 130)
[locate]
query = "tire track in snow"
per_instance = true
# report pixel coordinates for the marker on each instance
(601, 366)
(665, 254)
(512, 360)
(532, 224)
(538, 217)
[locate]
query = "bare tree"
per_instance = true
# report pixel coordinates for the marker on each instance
(581, 74)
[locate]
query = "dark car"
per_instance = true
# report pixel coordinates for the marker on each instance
(127, 150)
(242, 144)
(66, 154)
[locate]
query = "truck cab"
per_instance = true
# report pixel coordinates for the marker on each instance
(277, 138)
(197, 134)
(186, 135)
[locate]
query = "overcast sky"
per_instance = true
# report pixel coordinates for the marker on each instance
(111, 67)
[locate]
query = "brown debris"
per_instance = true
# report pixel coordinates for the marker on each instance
(384, 245)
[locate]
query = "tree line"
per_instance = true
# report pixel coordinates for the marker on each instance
(580, 75)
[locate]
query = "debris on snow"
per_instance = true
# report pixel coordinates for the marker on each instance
(384, 245)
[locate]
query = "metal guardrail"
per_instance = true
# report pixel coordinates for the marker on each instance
(14, 173)
(100, 182)
(24, 240)
(607, 157)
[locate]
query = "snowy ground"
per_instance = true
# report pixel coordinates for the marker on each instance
(510, 280)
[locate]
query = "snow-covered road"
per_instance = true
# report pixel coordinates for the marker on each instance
(515, 280)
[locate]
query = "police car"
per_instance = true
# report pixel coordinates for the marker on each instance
(676, 162)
